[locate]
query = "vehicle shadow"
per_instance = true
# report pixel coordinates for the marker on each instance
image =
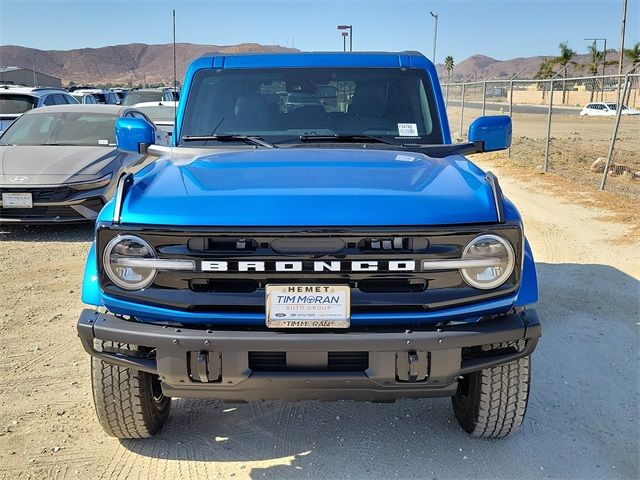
(581, 421)
(74, 232)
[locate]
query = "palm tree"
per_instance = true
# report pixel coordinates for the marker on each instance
(545, 70)
(448, 65)
(633, 54)
(564, 60)
(592, 66)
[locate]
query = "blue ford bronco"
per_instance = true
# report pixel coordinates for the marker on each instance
(312, 233)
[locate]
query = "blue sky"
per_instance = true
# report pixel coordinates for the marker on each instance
(501, 29)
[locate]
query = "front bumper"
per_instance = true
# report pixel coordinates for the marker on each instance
(80, 210)
(390, 364)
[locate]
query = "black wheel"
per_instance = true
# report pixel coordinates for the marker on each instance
(129, 403)
(492, 403)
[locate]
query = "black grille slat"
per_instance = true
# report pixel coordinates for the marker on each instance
(348, 361)
(337, 362)
(47, 194)
(268, 361)
(39, 212)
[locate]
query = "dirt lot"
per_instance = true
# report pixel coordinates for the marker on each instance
(576, 142)
(583, 418)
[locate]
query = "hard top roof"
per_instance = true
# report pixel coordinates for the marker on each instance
(33, 91)
(407, 59)
(81, 108)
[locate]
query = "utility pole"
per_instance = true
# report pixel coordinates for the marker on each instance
(435, 36)
(622, 26)
(344, 41)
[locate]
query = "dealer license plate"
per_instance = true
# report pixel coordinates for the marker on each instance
(308, 306)
(17, 200)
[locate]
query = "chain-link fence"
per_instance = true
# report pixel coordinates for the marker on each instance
(569, 126)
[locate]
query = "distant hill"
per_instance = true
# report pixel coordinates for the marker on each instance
(119, 64)
(138, 62)
(481, 66)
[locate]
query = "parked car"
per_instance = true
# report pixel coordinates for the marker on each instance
(108, 97)
(14, 101)
(339, 251)
(606, 109)
(121, 92)
(162, 114)
(84, 98)
(145, 95)
(61, 164)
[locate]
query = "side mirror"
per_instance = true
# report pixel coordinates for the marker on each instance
(494, 131)
(134, 135)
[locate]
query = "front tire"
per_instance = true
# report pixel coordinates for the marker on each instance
(129, 403)
(491, 403)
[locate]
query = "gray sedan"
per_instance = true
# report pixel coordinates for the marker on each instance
(60, 163)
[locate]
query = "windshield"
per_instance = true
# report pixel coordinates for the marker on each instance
(12, 103)
(280, 105)
(61, 128)
(140, 97)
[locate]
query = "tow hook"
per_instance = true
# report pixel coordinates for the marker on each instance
(412, 366)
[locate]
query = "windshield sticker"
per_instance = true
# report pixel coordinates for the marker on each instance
(407, 129)
(405, 158)
(103, 142)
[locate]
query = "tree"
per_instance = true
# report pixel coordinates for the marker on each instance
(564, 60)
(545, 70)
(448, 65)
(633, 54)
(592, 66)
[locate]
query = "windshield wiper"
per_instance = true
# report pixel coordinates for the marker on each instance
(227, 137)
(340, 137)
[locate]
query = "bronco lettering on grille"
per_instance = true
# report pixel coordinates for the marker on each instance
(311, 266)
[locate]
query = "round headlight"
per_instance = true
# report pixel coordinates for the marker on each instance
(501, 258)
(119, 267)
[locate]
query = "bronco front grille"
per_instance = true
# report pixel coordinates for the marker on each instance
(317, 257)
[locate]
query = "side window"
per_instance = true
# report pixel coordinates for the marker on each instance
(70, 100)
(90, 99)
(58, 99)
(49, 100)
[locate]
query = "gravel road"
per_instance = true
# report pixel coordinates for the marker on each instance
(582, 420)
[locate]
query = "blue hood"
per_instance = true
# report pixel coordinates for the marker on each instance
(310, 187)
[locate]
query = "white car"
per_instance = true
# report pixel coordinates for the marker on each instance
(162, 114)
(606, 109)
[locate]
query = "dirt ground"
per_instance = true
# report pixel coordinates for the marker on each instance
(583, 418)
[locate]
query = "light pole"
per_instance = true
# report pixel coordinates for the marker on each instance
(435, 36)
(344, 41)
(344, 34)
(622, 28)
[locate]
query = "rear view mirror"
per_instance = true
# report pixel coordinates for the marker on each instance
(494, 131)
(134, 135)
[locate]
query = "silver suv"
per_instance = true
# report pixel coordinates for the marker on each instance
(145, 95)
(15, 100)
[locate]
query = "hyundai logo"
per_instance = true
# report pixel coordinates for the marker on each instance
(18, 179)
